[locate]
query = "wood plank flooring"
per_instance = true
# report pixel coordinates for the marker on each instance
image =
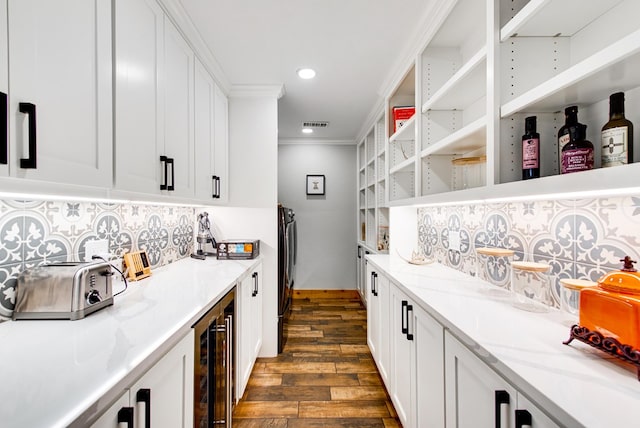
(325, 377)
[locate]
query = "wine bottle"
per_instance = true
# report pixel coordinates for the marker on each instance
(577, 154)
(530, 150)
(565, 132)
(617, 134)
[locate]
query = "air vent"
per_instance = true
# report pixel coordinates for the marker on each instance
(315, 124)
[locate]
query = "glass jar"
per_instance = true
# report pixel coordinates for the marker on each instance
(493, 268)
(469, 172)
(531, 286)
(570, 297)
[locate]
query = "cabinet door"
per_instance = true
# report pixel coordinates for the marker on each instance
(373, 311)
(170, 385)
(138, 110)
(475, 395)
(384, 329)
(61, 64)
(429, 377)
(402, 357)
(177, 86)
(243, 335)
(4, 92)
(256, 313)
(221, 144)
(204, 133)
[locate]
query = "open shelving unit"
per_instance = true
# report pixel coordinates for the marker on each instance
(453, 96)
(487, 65)
(373, 208)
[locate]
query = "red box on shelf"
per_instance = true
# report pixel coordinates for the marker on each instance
(400, 115)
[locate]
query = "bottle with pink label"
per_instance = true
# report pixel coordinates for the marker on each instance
(577, 154)
(530, 150)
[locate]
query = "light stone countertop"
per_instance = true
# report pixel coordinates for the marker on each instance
(577, 383)
(57, 373)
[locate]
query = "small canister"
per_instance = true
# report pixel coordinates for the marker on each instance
(493, 268)
(531, 286)
(469, 172)
(570, 297)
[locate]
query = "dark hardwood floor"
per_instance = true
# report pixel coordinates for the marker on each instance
(325, 377)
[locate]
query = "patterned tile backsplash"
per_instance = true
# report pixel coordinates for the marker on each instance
(582, 238)
(37, 232)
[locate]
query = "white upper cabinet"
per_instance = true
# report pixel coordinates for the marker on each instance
(138, 102)
(211, 138)
(221, 146)
(60, 104)
(154, 111)
(4, 92)
(178, 124)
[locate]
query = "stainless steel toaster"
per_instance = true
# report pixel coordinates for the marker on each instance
(69, 290)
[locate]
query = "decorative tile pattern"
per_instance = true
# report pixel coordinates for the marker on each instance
(37, 232)
(578, 238)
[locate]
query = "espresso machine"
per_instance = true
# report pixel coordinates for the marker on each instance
(204, 237)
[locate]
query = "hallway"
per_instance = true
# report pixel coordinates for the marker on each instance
(325, 377)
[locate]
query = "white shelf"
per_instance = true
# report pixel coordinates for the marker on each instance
(403, 165)
(465, 86)
(550, 18)
(612, 69)
(601, 182)
(406, 131)
(466, 139)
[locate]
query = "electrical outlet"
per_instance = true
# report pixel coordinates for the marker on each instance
(99, 247)
(454, 240)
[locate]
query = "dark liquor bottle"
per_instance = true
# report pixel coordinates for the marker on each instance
(530, 150)
(568, 129)
(577, 154)
(617, 134)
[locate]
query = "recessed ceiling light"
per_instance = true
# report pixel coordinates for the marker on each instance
(307, 131)
(306, 73)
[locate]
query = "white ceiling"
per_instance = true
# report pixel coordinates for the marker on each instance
(355, 46)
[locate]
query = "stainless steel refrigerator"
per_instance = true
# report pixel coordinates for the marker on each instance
(287, 256)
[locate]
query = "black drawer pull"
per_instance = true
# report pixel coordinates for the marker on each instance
(523, 418)
(30, 162)
(4, 129)
(125, 415)
(501, 397)
(144, 396)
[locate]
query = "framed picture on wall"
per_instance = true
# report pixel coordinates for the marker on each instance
(315, 184)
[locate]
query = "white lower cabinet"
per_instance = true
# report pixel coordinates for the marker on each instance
(433, 379)
(249, 336)
(417, 368)
(377, 290)
(478, 396)
(163, 395)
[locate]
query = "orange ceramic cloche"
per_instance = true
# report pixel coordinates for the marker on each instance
(613, 307)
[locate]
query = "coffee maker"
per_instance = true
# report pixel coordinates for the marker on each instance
(204, 237)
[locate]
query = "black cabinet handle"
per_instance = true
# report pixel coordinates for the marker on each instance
(30, 109)
(409, 334)
(501, 397)
(125, 415)
(163, 162)
(359, 252)
(405, 316)
(523, 418)
(216, 187)
(144, 396)
(4, 129)
(172, 187)
(374, 283)
(255, 284)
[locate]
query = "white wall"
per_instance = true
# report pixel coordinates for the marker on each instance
(252, 209)
(326, 224)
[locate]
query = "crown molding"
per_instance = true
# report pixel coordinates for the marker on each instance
(184, 24)
(430, 24)
(248, 91)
